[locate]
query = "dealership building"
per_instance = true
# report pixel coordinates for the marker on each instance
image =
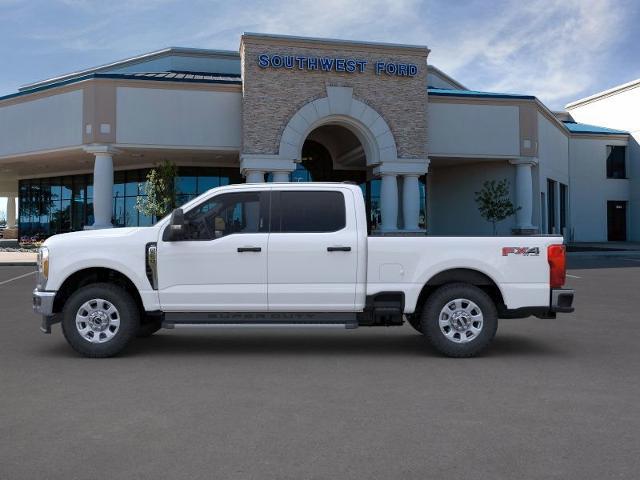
(75, 150)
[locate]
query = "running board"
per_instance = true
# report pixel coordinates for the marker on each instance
(259, 320)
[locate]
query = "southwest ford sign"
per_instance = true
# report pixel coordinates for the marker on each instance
(334, 64)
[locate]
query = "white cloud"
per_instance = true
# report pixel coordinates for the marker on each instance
(549, 48)
(349, 19)
(553, 49)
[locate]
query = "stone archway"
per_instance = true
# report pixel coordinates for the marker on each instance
(340, 108)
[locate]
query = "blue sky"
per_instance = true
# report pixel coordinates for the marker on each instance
(559, 50)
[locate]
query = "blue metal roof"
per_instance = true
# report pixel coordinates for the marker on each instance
(185, 76)
(575, 127)
(188, 77)
(445, 92)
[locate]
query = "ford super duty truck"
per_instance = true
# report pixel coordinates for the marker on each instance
(290, 255)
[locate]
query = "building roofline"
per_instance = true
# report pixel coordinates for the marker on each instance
(446, 92)
(604, 93)
(447, 77)
(131, 61)
(586, 128)
(121, 76)
(335, 41)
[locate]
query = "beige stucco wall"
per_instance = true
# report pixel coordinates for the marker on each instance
(272, 96)
(178, 117)
(473, 129)
(48, 122)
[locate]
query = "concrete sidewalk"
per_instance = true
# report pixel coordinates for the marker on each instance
(18, 258)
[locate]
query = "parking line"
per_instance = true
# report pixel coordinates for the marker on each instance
(573, 276)
(17, 278)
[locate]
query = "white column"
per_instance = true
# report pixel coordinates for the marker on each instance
(410, 201)
(11, 212)
(524, 192)
(102, 186)
(280, 176)
(389, 202)
(254, 176)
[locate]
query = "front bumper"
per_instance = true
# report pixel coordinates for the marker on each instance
(561, 300)
(43, 305)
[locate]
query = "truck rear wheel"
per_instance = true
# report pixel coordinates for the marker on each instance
(99, 320)
(459, 320)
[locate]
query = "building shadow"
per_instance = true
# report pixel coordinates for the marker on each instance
(410, 345)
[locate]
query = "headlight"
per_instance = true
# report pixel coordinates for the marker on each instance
(43, 262)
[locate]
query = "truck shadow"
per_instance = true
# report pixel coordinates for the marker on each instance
(319, 344)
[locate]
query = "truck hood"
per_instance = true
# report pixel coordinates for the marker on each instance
(107, 236)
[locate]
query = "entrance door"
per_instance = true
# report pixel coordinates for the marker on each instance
(313, 251)
(221, 264)
(617, 221)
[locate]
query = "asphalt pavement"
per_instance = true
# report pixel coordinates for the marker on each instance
(551, 398)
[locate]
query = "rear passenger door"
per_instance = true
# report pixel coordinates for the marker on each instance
(312, 251)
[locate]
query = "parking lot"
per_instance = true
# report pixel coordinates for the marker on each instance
(551, 398)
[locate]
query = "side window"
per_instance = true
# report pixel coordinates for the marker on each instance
(226, 214)
(616, 161)
(309, 211)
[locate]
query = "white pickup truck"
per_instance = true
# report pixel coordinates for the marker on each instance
(290, 255)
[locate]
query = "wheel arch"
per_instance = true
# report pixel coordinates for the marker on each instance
(88, 276)
(461, 275)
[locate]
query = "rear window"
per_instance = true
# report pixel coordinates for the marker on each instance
(310, 211)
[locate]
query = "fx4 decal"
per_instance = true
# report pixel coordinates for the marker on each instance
(525, 251)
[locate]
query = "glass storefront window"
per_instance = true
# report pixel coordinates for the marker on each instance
(60, 204)
(186, 185)
(207, 183)
(118, 184)
(118, 219)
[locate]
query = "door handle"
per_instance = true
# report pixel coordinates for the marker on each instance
(249, 249)
(338, 249)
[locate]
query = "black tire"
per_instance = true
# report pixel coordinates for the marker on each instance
(127, 312)
(148, 328)
(449, 346)
(416, 322)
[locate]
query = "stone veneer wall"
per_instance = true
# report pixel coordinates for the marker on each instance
(271, 96)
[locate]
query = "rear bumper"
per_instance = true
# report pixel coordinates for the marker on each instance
(561, 300)
(43, 305)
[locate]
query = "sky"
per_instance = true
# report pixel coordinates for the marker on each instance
(558, 50)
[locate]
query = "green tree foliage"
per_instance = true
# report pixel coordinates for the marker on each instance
(494, 203)
(160, 191)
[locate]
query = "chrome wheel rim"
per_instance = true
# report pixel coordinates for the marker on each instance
(97, 320)
(461, 320)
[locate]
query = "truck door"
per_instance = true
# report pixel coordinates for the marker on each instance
(313, 251)
(221, 264)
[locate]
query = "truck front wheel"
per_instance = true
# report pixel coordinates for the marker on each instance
(459, 320)
(99, 320)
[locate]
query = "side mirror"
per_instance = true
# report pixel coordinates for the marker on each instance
(176, 228)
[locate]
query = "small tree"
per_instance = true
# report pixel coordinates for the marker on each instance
(494, 203)
(160, 191)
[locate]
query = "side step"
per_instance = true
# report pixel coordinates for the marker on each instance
(259, 320)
